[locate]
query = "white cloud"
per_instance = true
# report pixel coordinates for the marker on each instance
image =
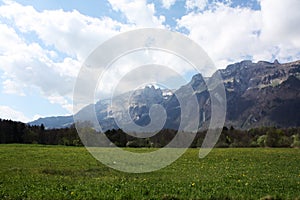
(9, 113)
(29, 65)
(8, 38)
(281, 21)
(168, 3)
(138, 12)
(65, 102)
(226, 33)
(67, 66)
(280, 27)
(139, 67)
(232, 34)
(69, 32)
(199, 4)
(11, 87)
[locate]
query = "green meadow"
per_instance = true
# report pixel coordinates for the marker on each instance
(60, 172)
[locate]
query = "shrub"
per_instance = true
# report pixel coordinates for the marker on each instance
(261, 141)
(296, 141)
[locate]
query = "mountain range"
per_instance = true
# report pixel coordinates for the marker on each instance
(257, 94)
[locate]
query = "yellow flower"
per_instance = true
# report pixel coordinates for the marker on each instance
(239, 180)
(193, 184)
(72, 193)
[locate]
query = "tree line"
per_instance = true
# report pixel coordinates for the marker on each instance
(18, 132)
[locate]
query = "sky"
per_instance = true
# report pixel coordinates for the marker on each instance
(45, 42)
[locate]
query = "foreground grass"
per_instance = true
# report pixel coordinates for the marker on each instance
(57, 172)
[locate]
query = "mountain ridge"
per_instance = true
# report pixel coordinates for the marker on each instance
(258, 94)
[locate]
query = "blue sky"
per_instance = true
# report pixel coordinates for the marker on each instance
(45, 42)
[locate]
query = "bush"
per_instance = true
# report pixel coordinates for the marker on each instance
(276, 138)
(139, 143)
(296, 141)
(261, 141)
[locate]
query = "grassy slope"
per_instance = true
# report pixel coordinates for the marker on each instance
(57, 172)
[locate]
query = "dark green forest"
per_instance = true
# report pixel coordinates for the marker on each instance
(18, 132)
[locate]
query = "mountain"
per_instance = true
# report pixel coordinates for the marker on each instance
(54, 122)
(258, 94)
(262, 94)
(139, 104)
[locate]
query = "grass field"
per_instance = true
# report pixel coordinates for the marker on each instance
(59, 172)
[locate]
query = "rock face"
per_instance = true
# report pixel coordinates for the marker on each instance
(262, 94)
(258, 94)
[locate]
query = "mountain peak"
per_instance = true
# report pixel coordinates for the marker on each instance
(276, 62)
(197, 81)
